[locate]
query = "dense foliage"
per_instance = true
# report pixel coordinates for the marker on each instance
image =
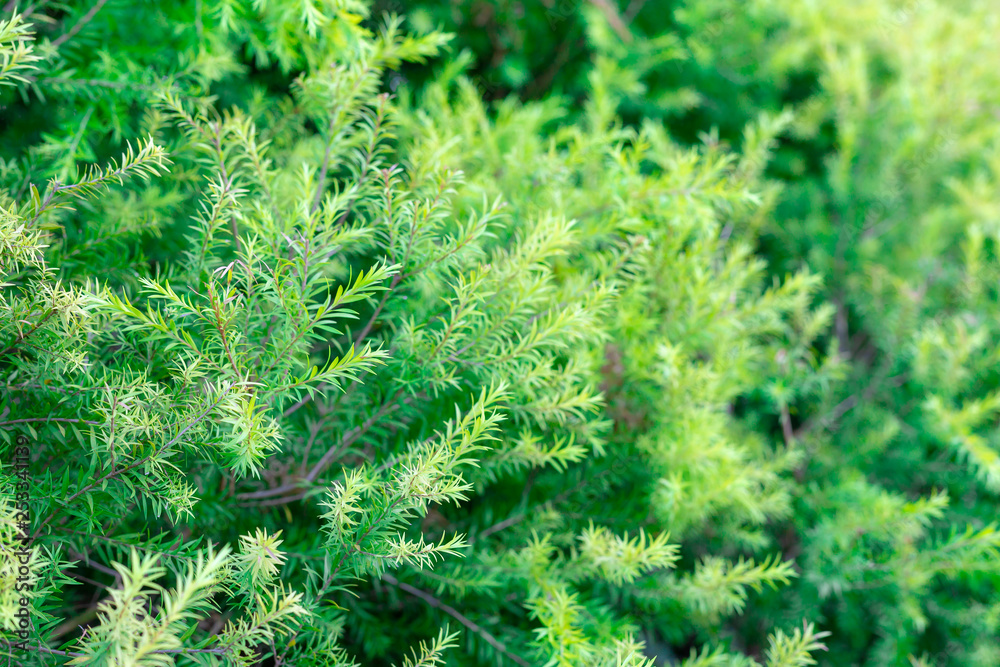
(888, 191)
(320, 347)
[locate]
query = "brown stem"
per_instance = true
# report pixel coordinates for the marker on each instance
(614, 18)
(30, 331)
(330, 455)
(110, 475)
(116, 473)
(786, 427)
(84, 20)
(49, 419)
(454, 613)
(321, 181)
(222, 332)
(378, 309)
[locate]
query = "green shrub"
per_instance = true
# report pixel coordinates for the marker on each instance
(889, 175)
(692, 329)
(309, 376)
(362, 360)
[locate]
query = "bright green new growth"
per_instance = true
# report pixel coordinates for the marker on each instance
(887, 193)
(356, 343)
(321, 368)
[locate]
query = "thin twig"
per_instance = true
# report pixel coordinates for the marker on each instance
(136, 464)
(330, 455)
(49, 419)
(614, 18)
(84, 20)
(633, 10)
(845, 406)
(74, 654)
(786, 426)
(454, 613)
(321, 181)
(45, 649)
(27, 333)
(552, 502)
(378, 309)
